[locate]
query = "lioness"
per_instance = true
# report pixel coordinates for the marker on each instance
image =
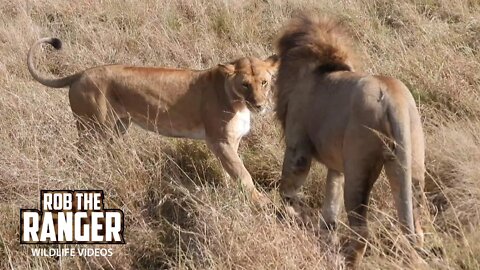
(212, 105)
(353, 123)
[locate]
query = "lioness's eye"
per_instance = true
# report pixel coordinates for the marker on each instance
(264, 83)
(245, 85)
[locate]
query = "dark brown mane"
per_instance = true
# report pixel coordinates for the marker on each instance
(314, 42)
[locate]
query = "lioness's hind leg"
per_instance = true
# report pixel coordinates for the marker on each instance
(92, 110)
(89, 131)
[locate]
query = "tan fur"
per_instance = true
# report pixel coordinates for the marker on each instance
(212, 105)
(353, 123)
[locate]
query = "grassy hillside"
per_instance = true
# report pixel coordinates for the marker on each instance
(179, 212)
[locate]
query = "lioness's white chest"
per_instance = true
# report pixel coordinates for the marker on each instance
(241, 124)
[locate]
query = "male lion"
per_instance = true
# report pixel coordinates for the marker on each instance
(212, 105)
(353, 123)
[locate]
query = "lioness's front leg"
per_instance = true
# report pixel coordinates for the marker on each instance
(232, 163)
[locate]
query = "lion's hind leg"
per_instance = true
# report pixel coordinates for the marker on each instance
(362, 165)
(420, 207)
(359, 179)
(420, 202)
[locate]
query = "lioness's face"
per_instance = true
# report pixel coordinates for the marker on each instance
(250, 80)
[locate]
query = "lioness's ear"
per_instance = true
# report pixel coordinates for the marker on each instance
(273, 61)
(228, 69)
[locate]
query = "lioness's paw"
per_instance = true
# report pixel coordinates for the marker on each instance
(301, 214)
(261, 200)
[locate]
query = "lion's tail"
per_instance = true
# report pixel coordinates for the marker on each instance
(399, 169)
(319, 41)
(50, 82)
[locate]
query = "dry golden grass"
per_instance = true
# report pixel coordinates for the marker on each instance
(179, 212)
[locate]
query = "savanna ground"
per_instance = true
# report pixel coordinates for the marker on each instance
(179, 213)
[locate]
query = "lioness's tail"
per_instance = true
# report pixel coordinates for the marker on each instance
(399, 169)
(55, 83)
